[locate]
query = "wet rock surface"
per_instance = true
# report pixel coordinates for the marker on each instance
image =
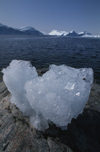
(3, 90)
(17, 134)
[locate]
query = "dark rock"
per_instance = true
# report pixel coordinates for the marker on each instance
(3, 90)
(82, 135)
(94, 99)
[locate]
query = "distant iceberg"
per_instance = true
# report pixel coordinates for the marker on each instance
(57, 96)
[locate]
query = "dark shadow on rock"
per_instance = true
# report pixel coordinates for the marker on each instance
(82, 135)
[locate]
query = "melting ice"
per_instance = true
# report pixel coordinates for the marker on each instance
(57, 96)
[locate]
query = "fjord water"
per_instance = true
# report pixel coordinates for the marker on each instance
(43, 51)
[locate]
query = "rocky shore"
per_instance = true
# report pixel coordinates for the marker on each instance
(17, 134)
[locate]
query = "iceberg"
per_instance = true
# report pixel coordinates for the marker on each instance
(57, 96)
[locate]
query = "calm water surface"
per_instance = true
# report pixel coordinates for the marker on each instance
(75, 52)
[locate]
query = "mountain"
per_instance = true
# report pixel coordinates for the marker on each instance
(85, 34)
(64, 33)
(88, 35)
(72, 34)
(31, 31)
(6, 30)
(58, 33)
(80, 34)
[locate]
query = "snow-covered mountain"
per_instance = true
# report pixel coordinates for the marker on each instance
(58, 33)
(73, 34)
(27, 28)
(89, 35)
(31, 31)
(80, 34)
(64, 33)
(85, 33)
(6, 30)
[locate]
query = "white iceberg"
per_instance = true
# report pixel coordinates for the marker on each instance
(58, 95)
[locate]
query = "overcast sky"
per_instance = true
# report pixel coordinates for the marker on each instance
(46, 15)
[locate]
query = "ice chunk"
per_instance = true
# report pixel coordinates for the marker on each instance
(58, 95)
(15, 77)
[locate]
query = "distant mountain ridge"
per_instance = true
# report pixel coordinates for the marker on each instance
(72, 34)
(58, 33)
(6, 30)
(69, 34)
(31, 31)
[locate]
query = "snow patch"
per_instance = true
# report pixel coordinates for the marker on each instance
(27, 28)
(58, 33)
